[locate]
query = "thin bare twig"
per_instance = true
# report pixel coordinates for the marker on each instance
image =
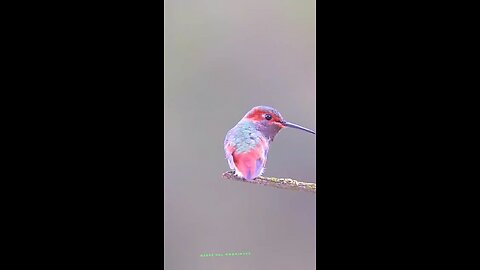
(284, 183)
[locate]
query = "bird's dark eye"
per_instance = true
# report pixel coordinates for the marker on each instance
(268, 116)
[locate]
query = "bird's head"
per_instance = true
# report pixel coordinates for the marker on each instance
(269, 121)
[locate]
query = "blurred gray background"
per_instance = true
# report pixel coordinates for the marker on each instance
(222, 58)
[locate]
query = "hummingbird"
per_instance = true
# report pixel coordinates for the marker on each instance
(246, 144)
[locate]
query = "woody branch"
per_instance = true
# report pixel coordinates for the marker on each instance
(283, 183)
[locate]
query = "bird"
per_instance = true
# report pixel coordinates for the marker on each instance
(246, 145)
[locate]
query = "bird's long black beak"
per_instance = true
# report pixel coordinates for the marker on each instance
(292, 125)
